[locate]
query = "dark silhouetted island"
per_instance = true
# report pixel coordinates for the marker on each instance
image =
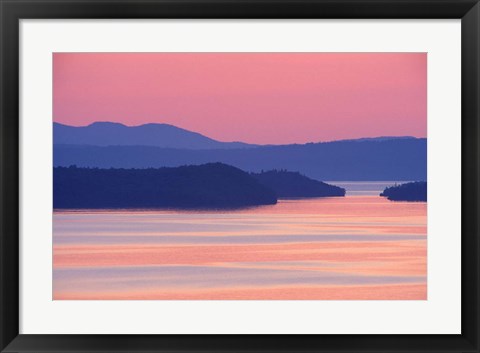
(415, 191)
(207, 186)
(294, 184)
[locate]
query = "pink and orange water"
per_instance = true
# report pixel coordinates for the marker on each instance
(358, 247)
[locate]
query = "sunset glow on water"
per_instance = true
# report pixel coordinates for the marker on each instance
(180, 134)
(356, 247)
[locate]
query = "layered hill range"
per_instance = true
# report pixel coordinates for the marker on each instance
(113, 145)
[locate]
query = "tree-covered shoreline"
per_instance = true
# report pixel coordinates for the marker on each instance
(414, 191)
(206, 186)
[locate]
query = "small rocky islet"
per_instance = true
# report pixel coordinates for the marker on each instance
(414, 191)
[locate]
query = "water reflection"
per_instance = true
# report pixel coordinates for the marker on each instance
(357, 247)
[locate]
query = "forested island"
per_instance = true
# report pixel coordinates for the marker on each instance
(207, 186)
(294, 184)
(414, 191)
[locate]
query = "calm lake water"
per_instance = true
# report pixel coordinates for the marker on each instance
(361, 246)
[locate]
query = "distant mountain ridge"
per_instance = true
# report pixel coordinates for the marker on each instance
(404, 159)
(158, 135)
(113, 145)
(379, 138)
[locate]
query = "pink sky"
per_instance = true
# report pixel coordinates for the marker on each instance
(251, 97)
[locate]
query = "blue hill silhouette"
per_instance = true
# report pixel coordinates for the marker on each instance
(414, 191)
(115, 134)
(105, 145)
(395, 159)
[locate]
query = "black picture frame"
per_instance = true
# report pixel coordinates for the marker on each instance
(12, 11)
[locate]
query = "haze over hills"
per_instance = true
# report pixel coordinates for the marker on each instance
(384, 158)
(380, 138)
(116, 134)
(158, 135)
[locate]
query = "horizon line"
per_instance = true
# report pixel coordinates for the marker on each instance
(249, 143)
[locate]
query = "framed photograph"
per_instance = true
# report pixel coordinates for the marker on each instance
(239, 176)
